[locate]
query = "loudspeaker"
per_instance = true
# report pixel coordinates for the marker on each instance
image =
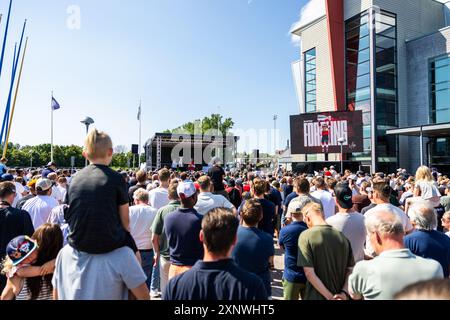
(255, 156)
(135, 149)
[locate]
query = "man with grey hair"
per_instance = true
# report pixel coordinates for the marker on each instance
(395, 266)
(426, 242)
(141, 220)
(445, 200)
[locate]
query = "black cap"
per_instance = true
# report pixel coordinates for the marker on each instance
(344, 195)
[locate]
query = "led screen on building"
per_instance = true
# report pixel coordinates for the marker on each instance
(314, 133)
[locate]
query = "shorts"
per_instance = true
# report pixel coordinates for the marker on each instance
(325, 139)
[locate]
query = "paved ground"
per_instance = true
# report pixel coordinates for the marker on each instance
(277, 275)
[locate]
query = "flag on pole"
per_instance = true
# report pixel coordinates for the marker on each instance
(55, 104)
(139, 113)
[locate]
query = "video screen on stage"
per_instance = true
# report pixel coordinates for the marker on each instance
(315, 133)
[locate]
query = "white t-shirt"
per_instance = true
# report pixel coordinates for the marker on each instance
(19, 190)
(328, 202)
(208, 201)
(353, 228)
(158, 198)
(39, 209)
(63, 192)
(389, 208)
(56, 193)
(141, 220)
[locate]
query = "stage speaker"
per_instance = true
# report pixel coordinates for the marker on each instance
(135, 149)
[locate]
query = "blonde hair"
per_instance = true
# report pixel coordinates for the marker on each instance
(97, 144)
(7, 266)
(313, 207)
(424, 174)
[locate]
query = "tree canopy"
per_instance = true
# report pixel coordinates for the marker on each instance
(205, 125)
(39, 156)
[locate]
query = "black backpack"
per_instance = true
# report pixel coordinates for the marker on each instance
(235, 197)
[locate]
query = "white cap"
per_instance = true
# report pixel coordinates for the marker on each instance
(43, 184)
(186, 189)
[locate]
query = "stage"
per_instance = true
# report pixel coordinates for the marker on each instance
(181, 150)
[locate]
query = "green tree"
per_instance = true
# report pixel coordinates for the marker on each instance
(207, 124)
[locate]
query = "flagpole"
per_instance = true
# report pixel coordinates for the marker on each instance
(5, 37)
(51, 147)
(5, 149)
(140, 133)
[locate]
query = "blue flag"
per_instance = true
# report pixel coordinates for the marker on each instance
(55, 104)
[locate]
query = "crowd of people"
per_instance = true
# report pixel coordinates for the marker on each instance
(101, 234)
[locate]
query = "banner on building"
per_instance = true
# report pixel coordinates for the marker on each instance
(315, 133)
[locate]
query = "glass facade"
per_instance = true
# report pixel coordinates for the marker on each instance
(310, 81)
(359, 83)
(440, 107)
(386, 90)
(440, 90)
(357, 40)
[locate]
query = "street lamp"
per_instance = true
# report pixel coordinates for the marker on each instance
(87, 122)
(341, 142)
(275, 118)
(31, 158)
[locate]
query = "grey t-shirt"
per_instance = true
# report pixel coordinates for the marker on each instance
(353, 228)
(82, 276)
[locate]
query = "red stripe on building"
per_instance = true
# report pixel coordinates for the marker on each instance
(336, 36)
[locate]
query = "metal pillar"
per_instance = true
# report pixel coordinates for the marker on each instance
(421, 147)
(373, 88)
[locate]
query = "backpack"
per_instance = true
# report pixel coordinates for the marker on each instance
(235, 197)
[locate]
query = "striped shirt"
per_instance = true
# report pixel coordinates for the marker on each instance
(46, 292)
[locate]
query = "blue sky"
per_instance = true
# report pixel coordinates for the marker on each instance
(183, 58)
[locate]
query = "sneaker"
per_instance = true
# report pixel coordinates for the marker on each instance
(154, 294)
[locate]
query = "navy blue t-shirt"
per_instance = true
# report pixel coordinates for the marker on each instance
(287, 189)
(431, 245)
(215, 281)
(182, 229)
(274, 196)
(289, 198)
(252, 252)
(266, 223)
(289, 240)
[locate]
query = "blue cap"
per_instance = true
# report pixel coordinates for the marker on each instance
(20, 248)
(7, 177)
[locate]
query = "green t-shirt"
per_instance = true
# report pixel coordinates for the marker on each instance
(329, 252)
(158, 227)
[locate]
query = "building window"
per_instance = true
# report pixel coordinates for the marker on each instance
(357, 38)
(310, 81)
(359, 81)
(440, 90)
(386, 104)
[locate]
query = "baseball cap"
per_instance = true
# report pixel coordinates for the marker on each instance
(352, 177)
(20, 248)
(344, 195)
(43, 184)
(186, 189)
(7, 177)
(50, 164)
(32, 183)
